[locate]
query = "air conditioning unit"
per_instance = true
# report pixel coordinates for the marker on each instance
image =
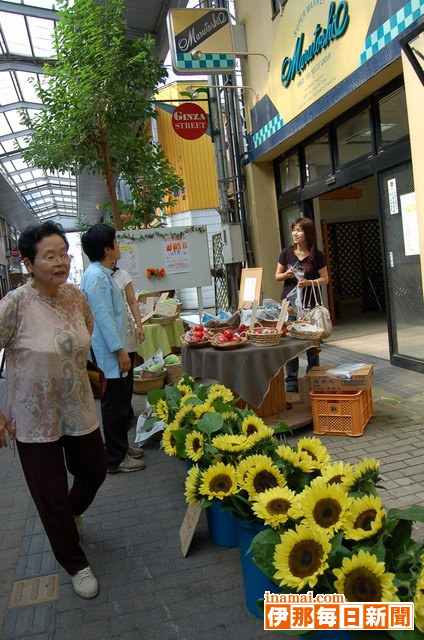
(232, 243)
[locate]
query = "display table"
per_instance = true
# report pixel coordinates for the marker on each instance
(160, 336)
(255, 374)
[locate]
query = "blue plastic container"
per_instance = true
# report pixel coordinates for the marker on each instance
(222, 526)
(256, 582)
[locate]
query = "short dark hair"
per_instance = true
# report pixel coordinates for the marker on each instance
(95, 240)
(33, 234)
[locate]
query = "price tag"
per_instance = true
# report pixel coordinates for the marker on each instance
(283, 314)
(254, 310)
(150, 304)
(166, 309)
(188, 527)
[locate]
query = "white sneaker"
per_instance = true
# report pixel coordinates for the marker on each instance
(85, 584)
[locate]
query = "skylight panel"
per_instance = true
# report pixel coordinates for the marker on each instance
(28, 89)
(14, 28)
(8, 93)
(15, 120)
(41, 32)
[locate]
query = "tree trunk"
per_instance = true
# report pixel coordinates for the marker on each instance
(110, 181)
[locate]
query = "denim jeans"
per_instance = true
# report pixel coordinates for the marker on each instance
(292, 368)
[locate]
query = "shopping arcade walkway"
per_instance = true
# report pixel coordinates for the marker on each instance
(148, 590)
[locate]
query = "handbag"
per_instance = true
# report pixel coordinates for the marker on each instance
(96, 377)
(319, 314)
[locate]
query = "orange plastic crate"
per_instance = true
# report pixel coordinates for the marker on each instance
(344, 414)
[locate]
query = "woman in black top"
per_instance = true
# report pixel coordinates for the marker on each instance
(304, 255)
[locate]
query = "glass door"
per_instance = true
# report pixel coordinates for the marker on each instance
(403, 270)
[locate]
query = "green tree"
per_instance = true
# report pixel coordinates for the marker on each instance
(97, 99)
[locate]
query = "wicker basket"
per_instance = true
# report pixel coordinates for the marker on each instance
(148, 383)
(163, 319)
(195, 345)
(214, 330)
(228, 345)
(264, 339)
(174, 373)
(305, 335)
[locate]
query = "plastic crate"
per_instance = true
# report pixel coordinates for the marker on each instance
(344, 414)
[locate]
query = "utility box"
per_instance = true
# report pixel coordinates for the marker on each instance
(232, 243)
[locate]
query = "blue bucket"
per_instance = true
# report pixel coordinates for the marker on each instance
(256, 582)
(222, 526)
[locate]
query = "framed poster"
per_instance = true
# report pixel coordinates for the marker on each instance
(250, 286)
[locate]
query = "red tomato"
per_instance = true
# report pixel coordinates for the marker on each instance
(228, 333)
(283, 332)
(198, 327)
(193, 339)
(235, 338)
(221, 338)
(197, 334)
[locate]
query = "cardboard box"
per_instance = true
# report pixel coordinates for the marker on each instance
(319, 380)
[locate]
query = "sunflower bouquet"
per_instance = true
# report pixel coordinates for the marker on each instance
(336, 537)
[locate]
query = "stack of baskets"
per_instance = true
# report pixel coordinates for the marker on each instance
(149, 381)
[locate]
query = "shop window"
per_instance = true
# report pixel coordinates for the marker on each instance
(277, 5)
(393, 119)
(287, 217)
(289, 172)
(354, 138)
(317, 159)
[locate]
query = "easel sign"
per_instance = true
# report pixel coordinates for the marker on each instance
(250, 286)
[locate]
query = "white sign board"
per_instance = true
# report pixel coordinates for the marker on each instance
(393, 199)
(410, 224)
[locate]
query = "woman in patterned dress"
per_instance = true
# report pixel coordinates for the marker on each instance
(45, 329)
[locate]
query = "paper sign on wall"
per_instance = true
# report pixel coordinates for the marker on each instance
(188, 527)
(128, 260)
(177, 254)
(393, 199)
(410, 224)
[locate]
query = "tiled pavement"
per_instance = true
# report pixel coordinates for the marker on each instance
(148, 590)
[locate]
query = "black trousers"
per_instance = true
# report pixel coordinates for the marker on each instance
(45, 466)
(115, 407)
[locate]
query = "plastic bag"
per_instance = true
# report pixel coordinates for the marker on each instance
(156, 359)
(344, 371)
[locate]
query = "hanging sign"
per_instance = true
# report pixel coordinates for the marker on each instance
(189, 121)
(200, 41)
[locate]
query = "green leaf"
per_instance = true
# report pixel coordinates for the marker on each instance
(282, 427)
(148, 424)
(173, 398)
(180, 438)
(210, 423)
(154, 396)
(414, 513)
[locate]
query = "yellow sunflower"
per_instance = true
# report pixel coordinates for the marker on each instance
(183, 388)
(229, 443)
(161, 410)
(301, 556)
(247, 464)
(262, 477)
(363, 579)
(192, 482)
(168, 441)
(364, 518)
(365, 471)
(229, 415)
(194, 445)
(263, 434)
(336, 473)
(219, 391)
(316, 450)
(273, 505)
(252, 424)
(201, 409)
(419, 602)
(218, 481)
(186, 397)
(323, 506)
(183, 414)
(300, 462)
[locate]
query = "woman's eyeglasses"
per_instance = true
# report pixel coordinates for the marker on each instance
(65, 257)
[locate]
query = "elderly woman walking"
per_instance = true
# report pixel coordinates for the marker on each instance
(45, 329)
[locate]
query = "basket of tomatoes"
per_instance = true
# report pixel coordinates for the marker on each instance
(228, 339)
(196, 337)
